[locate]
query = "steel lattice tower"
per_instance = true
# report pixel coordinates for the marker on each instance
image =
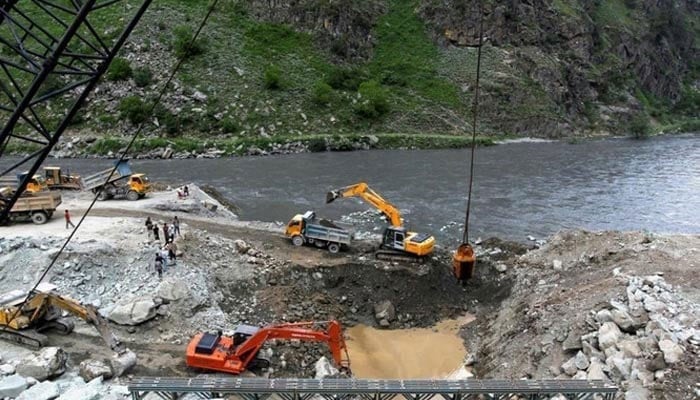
(51, 57)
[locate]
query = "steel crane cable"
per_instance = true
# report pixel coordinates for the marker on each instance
(136, 134)
(465, 236)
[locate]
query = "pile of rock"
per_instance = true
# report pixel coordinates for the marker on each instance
(41, 376)
(637, 340)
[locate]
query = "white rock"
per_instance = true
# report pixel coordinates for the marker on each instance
(384, 311)
(630, 348)
(581, 361)
(619, 366)
(672, 351)
(603, 315)
(49, 362)
(133, 311)
(91, 369)
(324, 369)
(11, 386)
(608, 335)
(122, 363)
(569, 367)
(172, 290)
(7, 369)
(637, 392)
(91, 391)
(46, 390)
(557, 265)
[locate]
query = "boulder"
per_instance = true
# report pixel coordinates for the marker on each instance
(657, 363)
(581, 361)
(324, 369)
(608, 335)
(133, 311)
(620, 367)
(630, 348)
(637, 392)
(569, 367)
(11, 386)
(172, 290)
(90, 391)
(672, 351)
(625, 321)
(46, 390)
(572, 341)
(595, 370)
(91, 369)
(241, 246)
(603, 316)
(49, 362)
(122, 363)
(384, 311)
(6, 369)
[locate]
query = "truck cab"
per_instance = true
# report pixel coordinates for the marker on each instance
(139, 183)
(296, 224)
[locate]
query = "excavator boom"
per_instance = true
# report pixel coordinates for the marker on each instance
(398, 243)
(366, 193)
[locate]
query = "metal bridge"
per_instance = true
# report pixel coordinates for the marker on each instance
(368, 389)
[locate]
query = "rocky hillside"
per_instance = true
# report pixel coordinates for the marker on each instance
(320, 74)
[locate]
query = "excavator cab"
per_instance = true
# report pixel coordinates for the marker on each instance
(394, 238)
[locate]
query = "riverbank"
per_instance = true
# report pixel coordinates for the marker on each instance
(615, 305)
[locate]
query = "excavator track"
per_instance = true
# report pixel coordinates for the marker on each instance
(398, 256)
(29, 338)
(62, 326)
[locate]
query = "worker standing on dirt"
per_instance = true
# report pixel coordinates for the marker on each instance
(186, 190)
(165, 232)
(149, 226)
(155, 232)
(164, 254)
(176, 225)
(171, 233)
(159, 265)
(172, 248)
(68, 221)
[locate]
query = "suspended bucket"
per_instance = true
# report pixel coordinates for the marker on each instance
(463, 262)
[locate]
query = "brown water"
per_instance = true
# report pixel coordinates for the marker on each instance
(407, 353)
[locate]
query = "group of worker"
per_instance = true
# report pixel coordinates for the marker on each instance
(167, 255)
(183, 193)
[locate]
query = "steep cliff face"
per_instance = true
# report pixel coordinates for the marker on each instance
(594, 56)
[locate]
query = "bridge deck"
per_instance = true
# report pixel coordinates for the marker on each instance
(378, 389)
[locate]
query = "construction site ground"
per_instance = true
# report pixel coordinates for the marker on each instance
(513, 320)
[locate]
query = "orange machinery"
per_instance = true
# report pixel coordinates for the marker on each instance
(234, 354)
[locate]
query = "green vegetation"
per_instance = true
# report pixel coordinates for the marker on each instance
(142, 77)
(322, 93)
(133, 109)
(183, 45)
(119, 70)
(640, 127)
(271, 78)
(373, 102)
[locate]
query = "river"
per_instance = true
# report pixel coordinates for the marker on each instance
(520, 189)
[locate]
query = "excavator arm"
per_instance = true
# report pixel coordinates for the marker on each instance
(370, 196)
(87, 313)
(332, 335)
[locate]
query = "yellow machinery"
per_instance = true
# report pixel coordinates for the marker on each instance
(56, 179)
(396, 240)
(35, 184)
(42, 311)
(110, 183)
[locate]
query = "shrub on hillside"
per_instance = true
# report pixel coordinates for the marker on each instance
(228, 125)
(119, 70)
(271, 78)
(142, 77)
(374, 100)
(133, 109)
(183, 45)
(322, 93)
(345, 78)
(639, 126)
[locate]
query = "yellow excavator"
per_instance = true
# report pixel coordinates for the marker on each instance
(397, 241)
(23, 321)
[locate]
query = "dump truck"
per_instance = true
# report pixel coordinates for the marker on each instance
(135, 187)
(307, 229)
(36, 207)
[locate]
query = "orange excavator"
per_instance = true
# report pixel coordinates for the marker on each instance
(234, 354)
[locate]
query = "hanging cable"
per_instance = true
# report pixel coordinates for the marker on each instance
(136, 134)
(465, 237)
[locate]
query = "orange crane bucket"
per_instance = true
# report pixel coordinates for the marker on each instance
(463, 262)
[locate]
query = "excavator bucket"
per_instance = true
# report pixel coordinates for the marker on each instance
(463, 262)
(332, 195)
